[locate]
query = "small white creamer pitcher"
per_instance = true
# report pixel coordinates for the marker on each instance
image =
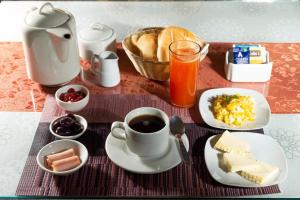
(105, 67)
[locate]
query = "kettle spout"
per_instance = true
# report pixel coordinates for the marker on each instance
(61, 39)
(60, 32)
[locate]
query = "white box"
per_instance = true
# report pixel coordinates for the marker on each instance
(248, 72)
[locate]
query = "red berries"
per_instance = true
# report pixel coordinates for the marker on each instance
(72, 95)
(71, 90)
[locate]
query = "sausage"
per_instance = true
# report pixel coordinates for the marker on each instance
(58, 156)
(65, 164)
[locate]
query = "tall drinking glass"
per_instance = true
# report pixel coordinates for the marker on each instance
(184, 64)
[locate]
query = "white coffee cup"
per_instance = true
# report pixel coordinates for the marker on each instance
(154, 144)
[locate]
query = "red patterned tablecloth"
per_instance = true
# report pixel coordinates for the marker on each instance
(18, 93)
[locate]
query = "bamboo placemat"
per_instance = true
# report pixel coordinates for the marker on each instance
(101, 178)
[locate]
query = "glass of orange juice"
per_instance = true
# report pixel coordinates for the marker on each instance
(184, 64)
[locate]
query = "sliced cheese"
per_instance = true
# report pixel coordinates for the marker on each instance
(236, 162)
(230, 143)
(261, 173)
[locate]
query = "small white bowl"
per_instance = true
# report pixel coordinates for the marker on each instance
(79, 118)
(58, 146)
(72, 106)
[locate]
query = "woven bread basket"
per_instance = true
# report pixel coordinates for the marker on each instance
(151, 69)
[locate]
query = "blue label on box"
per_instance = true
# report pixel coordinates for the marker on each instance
(241, 55)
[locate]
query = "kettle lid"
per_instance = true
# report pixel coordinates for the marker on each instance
(46, 17)
(96, 31)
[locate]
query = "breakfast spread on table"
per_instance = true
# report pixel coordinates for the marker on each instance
(145, 141)
(62, 161)
(237, 157)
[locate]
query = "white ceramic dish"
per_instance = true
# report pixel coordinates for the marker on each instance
(248, 72)
(52, 59)
(261, 108)
(79, 118)
(58, 146)
(263, 147)
(95, 39)
(120, 154)
(72, 106)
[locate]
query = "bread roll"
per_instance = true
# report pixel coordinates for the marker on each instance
(171, 34)
(147, 44)
(131, 44)
(134, 38)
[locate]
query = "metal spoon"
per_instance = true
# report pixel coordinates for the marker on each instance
(178, 129)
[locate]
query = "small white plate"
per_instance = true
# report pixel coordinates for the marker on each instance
(120, 154)
(261, 108)
(263, 147)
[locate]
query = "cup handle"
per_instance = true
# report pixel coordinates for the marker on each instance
(94, 69)
(118, 134)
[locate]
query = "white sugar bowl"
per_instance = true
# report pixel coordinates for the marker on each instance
(95, 39)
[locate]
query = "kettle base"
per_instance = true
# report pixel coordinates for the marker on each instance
(57, 85)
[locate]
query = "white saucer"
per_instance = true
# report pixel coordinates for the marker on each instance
(120, 154)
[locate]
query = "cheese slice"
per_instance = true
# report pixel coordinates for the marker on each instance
(230, 143)
(261, 173)
(236, 162)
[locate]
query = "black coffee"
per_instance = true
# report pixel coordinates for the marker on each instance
(147, 123)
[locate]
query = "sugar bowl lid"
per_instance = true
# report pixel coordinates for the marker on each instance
(46, 16)
(96, 31)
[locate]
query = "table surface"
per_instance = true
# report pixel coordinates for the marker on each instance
(282, 91)
(24, 100)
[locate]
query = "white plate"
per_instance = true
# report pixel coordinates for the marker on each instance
(263, 147)
(120, 154)
(261, 108)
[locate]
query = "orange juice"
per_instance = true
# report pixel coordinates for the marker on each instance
(184, 63)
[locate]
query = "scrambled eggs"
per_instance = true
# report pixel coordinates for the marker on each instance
(233, 109)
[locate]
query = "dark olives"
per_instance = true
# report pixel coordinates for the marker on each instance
(67, 126)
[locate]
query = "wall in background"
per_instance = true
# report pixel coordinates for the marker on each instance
(213, 21)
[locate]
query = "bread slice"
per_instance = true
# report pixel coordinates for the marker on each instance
(235, 162)
(261, 173)
(171, 34)
(228, 142)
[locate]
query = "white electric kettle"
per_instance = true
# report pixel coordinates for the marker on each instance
(50, 46)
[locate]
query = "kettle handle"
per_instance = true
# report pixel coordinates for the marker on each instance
(43, 6)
